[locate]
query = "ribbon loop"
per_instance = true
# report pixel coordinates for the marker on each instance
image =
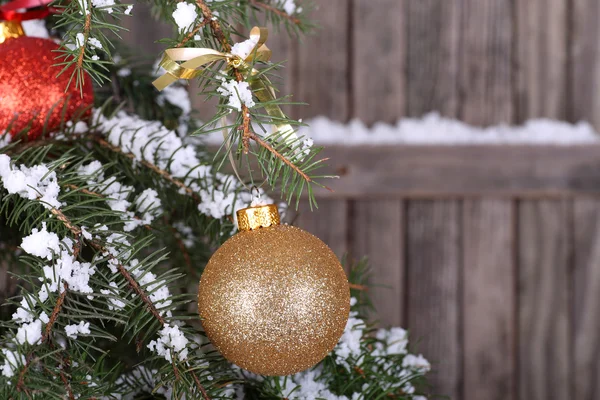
(193, 59)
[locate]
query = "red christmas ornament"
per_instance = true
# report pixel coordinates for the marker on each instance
(32, 93)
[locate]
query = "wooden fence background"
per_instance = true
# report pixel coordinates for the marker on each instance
(491, 253)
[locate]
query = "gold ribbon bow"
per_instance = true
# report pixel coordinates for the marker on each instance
(195, 58)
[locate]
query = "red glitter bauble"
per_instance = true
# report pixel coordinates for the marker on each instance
(31, 91)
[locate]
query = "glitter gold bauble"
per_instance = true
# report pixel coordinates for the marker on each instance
(32, 93)
(273, 299)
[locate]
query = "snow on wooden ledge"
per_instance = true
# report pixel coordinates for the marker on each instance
(434, 129)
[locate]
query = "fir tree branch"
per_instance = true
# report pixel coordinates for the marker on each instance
(199, 385)
(142, 293)
(275, 10)
(277, 154)
(164, 174)
(75, 230)
(193, 33)
(214, 25)
(86, 33)
(21, 381)
(133, 284)
(55, 312)
(186, 255)
(67, 385)
(85, 191)
(358, 287)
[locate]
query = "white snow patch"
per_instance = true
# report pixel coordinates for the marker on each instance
(185, 16)
(433, 129)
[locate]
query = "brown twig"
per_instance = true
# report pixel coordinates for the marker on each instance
(277, 154)
(86, 34)
(102, 142)
(55, 312)
(193, 33)
(133, 285)
(358, 287)
(200, 387)
(21, 382)
(275, 10)
(67, 385)
(85, 191)
(214, 25)
(73, 228)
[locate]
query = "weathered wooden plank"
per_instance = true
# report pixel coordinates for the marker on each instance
(586, 297)
(144, 31)
(433, 301)
(377, 232)
(321, 64)
(489, 284)
(432, 47)
(486, 62)
(543, 298)
(541, 40)
(426, 171)
(378, 57)
(584, 82)
(329, 223)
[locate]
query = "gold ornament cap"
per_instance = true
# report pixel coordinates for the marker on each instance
(10, 29)
(258, 217)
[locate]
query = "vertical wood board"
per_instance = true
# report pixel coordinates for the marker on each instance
(486, 81)
(544, 334)
(433, 289)
(541, 40)
(377, 233)
(586, 298)
(378, 61)
(328, 223)
(489, 300)
(585, 61)
(432, 57)
(321, 62)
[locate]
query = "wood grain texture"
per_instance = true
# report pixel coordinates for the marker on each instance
(432, 59)
(486, 83)
(541, 58)
(321, 64)
(462, 171)
(544, 334)
(329, 223)
(489, 287)
(586, 298)
(378, 60)
(377, 232)
(585, 60)
(144, 31)
(433, 289)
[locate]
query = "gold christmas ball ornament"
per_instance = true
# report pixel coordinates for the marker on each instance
(273, 299)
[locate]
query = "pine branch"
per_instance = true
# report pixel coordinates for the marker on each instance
(186, 255)
(85, 191)
(86, 34)
(21, 381)
(67, 385)
(193, 32)
(55, 312)
(214, 25)
(75, 230)
(275, 10)
(277, 154)
(136, 288)
(199, 386)
(164, 174)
